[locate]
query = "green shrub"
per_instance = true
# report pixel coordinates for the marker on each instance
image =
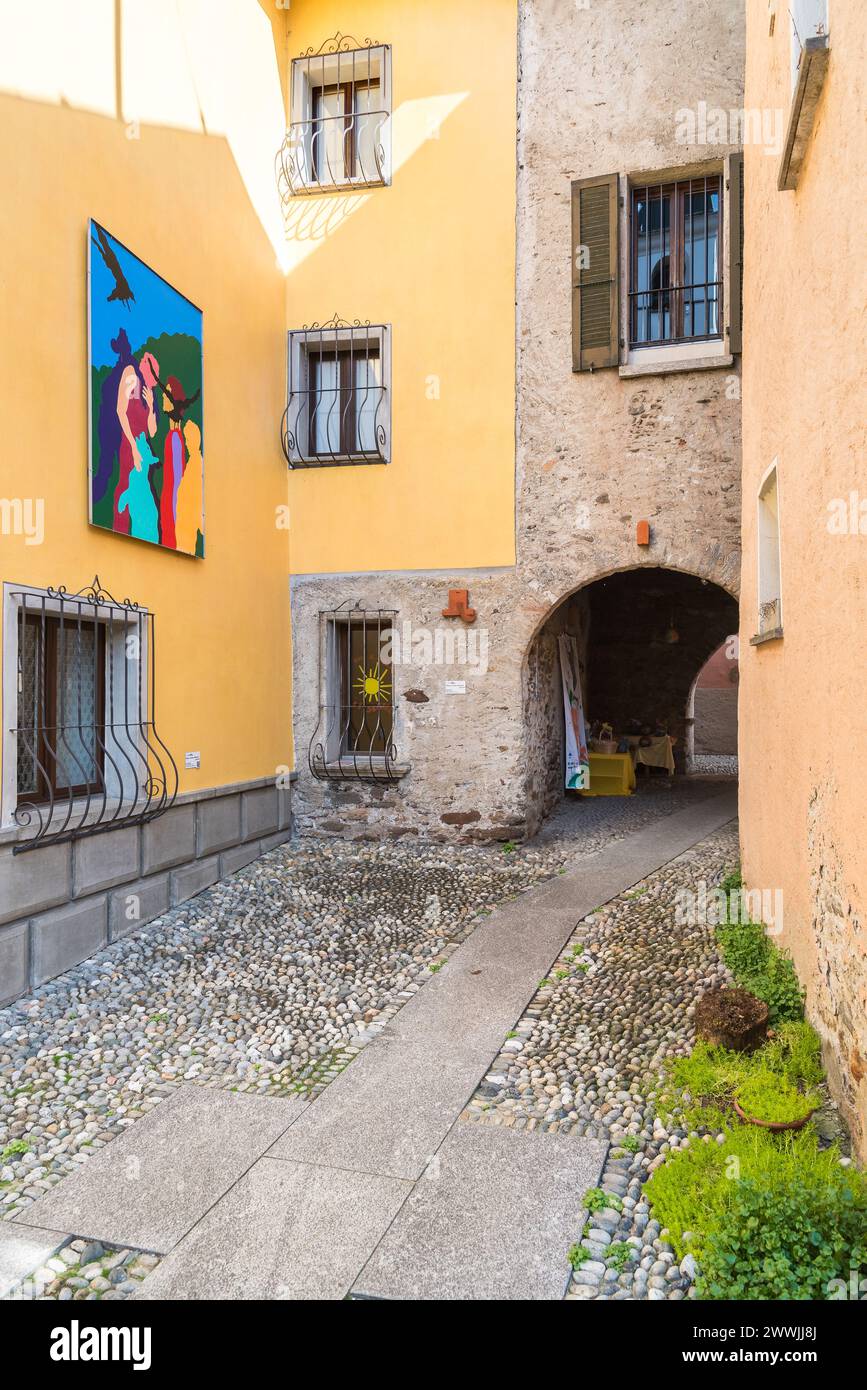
(595, 1199)
(796, 1053)
(762, 968)
(765, 1095)
(695, 1188)
(699, 1088)
(776, 1242)
(618, 1255)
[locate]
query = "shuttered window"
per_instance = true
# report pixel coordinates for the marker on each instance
(595, 274)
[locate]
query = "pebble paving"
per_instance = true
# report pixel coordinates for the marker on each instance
(84, 1271)
(587, 1054)
(271, 981)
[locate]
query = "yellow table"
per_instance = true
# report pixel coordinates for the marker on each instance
(611, 774)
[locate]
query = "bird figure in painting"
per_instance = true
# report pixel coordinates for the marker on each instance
(121, 291)
(179, 402)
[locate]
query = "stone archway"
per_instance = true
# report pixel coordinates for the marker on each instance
(643, 633)
(712, 709)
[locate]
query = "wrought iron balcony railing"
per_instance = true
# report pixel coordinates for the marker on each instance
(337, 408)
(339, 131)
(87, 753)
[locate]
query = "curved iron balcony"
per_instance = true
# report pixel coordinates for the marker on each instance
(354, 735)
(337, 409)
(87, 753)
(338, 134)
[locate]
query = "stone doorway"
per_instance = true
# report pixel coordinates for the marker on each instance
(643, 635)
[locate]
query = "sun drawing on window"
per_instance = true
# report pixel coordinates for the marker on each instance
(374, 685)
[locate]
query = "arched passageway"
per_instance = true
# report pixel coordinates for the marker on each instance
(643, 635)
(712, 712)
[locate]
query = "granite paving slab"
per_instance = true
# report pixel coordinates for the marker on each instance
(153, 1182)
(284, 1231)
(390, 1109)
(493, 1217)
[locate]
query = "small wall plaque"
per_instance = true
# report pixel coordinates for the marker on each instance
(456, 687)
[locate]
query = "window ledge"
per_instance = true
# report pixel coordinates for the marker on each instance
(655, 364)
(774, 634)
(340, 461)
(309, 188)
(805, 99)
(346, 770)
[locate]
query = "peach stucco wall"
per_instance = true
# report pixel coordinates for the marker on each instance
(803, 713)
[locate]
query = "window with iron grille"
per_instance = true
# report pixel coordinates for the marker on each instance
(676, 281)
(354, 737)
(339, 133)
(81, 750)
(338, 395)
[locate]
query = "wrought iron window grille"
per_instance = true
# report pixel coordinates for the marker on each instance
(337, 408)
(86, 751)
(676, 285)
(339, 132)
(354, 736)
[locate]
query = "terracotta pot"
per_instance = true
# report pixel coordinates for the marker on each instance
(775, 1125)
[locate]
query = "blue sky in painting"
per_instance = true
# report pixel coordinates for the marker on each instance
(157, 308)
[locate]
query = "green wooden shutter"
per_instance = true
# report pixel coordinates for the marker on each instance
(736, 252)
(595, 273)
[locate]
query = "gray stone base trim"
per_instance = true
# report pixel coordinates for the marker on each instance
(62, 903)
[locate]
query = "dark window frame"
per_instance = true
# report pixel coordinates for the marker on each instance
(48, 628)
(675, 298)
(351, 116)
(348, 390)
(357, 739)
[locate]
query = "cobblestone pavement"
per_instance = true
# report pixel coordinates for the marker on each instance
(85, 1270)
(715, 764)
(585, 1057)
(269, 982)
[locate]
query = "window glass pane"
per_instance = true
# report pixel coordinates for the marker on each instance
(28, 713)
(366, 688)
(76, 696)
(367, 396)
(653, 252)
(368, 119)
(330, 134)
(700, 262)
(325, 405)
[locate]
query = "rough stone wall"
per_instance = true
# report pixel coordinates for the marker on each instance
(716, 721)
(464, 751)
(543, 705)
(837, 997)
(599, 90)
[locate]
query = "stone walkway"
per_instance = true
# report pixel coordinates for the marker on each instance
(369, 1138)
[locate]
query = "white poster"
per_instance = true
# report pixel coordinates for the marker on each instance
(577, 761)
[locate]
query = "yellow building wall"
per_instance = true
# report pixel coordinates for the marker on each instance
(434, 256)
(803, 727)
(172, 151)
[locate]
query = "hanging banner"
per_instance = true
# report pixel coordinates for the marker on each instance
(577, 761)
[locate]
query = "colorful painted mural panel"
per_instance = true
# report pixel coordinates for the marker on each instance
(146, 453)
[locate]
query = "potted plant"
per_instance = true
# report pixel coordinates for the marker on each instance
(767, 1099)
